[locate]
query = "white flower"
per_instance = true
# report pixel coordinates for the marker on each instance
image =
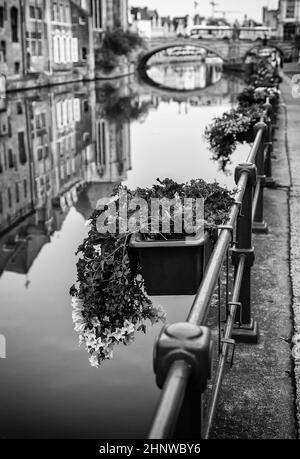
(80, 328)
(77, 303)
(98, 249)
(77, 316)
(128, 327)
(95, 322)
(118, 334)
(94, 361)
(88, 223)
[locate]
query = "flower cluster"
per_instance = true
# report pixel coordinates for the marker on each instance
(232, 127)
(108, 299)
(237, 125)
(264, 75)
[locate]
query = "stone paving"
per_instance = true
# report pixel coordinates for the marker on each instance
(292, 144)
(260, 396)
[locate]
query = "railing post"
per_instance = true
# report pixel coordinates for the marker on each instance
(189, 345)
(259, 225)
(248, 330)
(270, 182)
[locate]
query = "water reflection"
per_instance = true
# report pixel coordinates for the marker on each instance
(60, 151)
(184, 68)
(185, 77)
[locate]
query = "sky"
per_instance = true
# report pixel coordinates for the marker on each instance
(253, 8)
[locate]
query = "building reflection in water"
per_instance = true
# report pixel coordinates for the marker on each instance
(70, 146)
(186, 76)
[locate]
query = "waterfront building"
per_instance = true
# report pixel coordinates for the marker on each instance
(11, 49)
(36, 52)
(289, 19)
(54, 41)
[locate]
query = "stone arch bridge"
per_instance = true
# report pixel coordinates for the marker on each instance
(230, 51)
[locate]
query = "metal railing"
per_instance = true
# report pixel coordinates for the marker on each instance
(183, 352)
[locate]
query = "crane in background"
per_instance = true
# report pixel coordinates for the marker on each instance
(224, 12)
(213, 6)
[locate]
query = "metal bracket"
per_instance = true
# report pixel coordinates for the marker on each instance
(262, 179)
(251, 170)
(231, 229)
(260, 125)
(249, 255)
(230, 342)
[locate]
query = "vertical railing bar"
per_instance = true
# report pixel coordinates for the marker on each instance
(255, 198)
(225, 347)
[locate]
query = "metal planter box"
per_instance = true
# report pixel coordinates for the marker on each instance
(173, 267)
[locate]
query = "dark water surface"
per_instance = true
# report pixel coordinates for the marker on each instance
(60, 151)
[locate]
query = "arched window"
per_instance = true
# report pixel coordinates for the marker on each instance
(14, 19)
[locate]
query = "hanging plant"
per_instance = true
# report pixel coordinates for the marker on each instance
(109, 300)
(232, 127)
(265, 75)
(251, 96)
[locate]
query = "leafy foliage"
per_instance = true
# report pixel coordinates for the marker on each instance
(264, 75)
(116, 43)
(237, 125)
(109, 300)
(120, 108)
(232, 127)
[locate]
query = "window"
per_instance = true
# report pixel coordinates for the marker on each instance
(56, 49)
(14, 19)
(1, 203)
(17, 193)
(77, 114)
(40, 153)
(22, 149)
(32, 12)
(19, 108)
(74, 49)
(65, 113)
(62, 49)
(97, 13)
(25, 188)
(85, 106)
(9, 198)
(58, 115)
(3, 50)
(39, 13)
(10, 159)
(17, 68)
(84, 54)
(290, 9)
(1, 17)
(101, 144)
(68, 49)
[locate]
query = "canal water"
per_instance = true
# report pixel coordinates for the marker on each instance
(60, 151)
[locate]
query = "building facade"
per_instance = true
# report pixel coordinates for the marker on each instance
(11, 48)
(289, 19)
(54, 40)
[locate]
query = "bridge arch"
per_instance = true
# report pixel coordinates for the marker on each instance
(144, 58)
(260, 46)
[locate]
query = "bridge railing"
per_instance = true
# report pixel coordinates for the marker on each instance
(183, 352)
